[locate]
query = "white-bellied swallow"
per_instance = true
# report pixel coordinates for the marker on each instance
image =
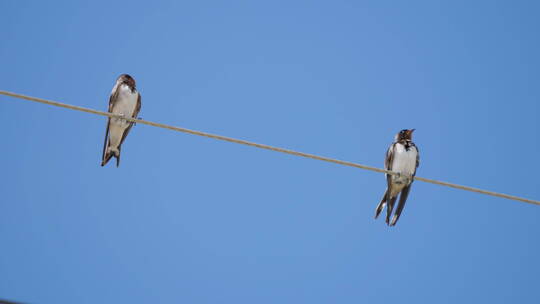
(403, 158)
(124, 101)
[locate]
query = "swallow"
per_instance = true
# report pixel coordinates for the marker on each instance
(124, 101)
(403, 158)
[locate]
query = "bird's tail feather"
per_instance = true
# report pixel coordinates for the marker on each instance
(402, 199)
(117, 158)
(391, 203)
(380, 206)
(109, 153)
(106, 158)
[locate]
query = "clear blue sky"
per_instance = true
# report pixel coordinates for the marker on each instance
(187, 219)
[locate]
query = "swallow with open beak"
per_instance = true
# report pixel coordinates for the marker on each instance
(124, 101)
(403, 158)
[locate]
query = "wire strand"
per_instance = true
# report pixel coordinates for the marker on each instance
(267, 147)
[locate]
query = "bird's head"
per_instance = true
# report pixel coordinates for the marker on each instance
(404, 135)
(126, 79)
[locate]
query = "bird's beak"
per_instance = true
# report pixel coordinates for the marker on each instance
(411, 131)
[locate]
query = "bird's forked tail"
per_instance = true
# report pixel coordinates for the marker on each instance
(110, 152)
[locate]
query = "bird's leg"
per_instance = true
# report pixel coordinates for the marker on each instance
(123, 119)
(408, 178)
(397, 178)
(119, 117)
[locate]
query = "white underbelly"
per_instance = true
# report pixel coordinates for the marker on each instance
(397, 187)
(116, 131)
(126, 102)
(404, 161)
(125, 105)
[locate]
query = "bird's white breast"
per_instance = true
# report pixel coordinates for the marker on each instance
(404, 161)
(126, 102)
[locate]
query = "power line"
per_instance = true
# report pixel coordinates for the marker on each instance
(267, 147)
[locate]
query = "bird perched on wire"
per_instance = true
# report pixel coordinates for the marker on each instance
(403, 158)
(124, 101)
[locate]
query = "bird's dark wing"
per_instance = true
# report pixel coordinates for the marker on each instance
(402, 199)
(389, 157)
(388, 161)
(138, 108)
(133, 115)
(386, 199)
(381, 204)
(417, 159)
(112, 101)
(105, 144)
